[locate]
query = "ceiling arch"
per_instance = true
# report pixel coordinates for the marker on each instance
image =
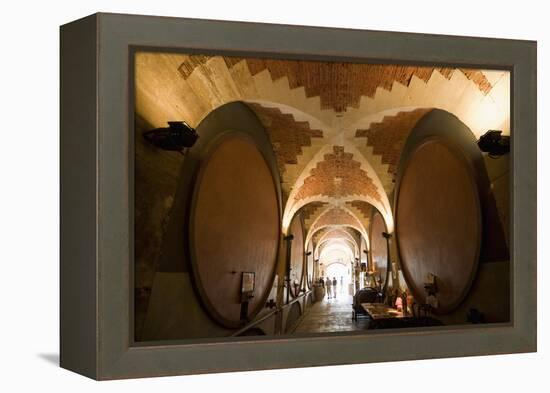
(295, 136)
(342, 241)
(337, 233)
(337, 247)
(337, 173)
(354, 80)
(335, 217)
(337, 139)
(479, 108)
(381, 141)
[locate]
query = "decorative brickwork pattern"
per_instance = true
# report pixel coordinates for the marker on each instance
(388, 137)
(336, 176)
(309, 210)
(193, 61)
(317, 235)
(364, 207)
(287, 135)
(336, 234)
(337, 216)
(472, 74)
(339, 85)
(321, 232)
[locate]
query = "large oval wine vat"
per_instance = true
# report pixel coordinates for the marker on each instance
(234, 227)
(379, 247)
(296, 255)
(309, 266)
(438, 221)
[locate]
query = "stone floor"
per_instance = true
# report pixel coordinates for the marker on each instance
(331, 315)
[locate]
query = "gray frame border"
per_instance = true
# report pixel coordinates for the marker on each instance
(96, 250)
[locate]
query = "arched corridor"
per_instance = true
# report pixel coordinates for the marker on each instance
(369, 177)
(340, 274)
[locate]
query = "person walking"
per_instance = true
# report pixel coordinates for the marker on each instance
(334, 283)
(329, 288)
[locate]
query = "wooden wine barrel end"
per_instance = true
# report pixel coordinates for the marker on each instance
(309, 266)
(438, 221)
(234, 227)
(379, 247)
(296, 255)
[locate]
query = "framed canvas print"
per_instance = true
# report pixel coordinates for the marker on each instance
(241, 196)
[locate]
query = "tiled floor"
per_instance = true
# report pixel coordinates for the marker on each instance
(332, 315)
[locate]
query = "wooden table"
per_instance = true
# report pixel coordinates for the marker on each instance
(382, 315)
(381, 311)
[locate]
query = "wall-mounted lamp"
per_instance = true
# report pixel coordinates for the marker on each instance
(178, 136)
(494, 143)
(308, 253)
(386, 235)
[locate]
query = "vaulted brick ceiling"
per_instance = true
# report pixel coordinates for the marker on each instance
(388, 136)
(362, 210)
(336, 176)
(311, 211)
(336, 225)
(336, 234)
(336, 230)
(338, 243)
(314, 111)
(364, 207)
(339, 232)
(336, 216)
(339, 85)
(287, 135)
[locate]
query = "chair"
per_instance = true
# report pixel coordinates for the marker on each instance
(365, 295)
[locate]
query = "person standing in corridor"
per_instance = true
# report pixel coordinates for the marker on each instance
(329, 288)
(334, 283)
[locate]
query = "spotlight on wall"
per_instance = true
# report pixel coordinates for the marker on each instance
(308, 253)
(494, 143)
(178, 136)
(366, 251)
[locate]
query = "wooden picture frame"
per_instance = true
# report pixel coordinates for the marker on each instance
(248, 282)
(96, 196)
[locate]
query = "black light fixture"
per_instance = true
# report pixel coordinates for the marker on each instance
(308, 253)
(178, 136)
(494, 143)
